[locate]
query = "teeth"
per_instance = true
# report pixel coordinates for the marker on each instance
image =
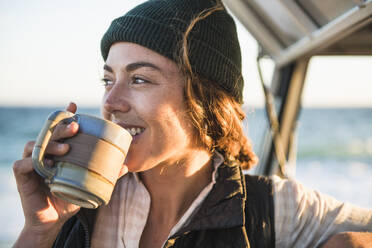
(135, 130)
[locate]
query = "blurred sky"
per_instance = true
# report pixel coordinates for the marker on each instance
(49, 56)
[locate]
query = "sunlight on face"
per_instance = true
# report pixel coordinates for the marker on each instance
(145, 95)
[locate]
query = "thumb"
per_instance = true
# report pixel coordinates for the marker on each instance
(71, 107)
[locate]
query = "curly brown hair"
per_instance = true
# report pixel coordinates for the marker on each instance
(216, 115)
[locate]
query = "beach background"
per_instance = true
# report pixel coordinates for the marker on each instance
(335, 158)
(50, 56)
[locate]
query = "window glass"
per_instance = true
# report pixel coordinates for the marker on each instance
(334, 152)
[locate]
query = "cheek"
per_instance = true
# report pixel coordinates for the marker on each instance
(162, 119)
(105, 114)
(176, 126)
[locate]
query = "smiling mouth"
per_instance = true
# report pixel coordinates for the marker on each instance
(135, 130)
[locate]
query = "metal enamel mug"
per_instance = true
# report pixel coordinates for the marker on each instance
(87, 174)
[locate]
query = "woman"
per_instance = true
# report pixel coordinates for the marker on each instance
(172, 78)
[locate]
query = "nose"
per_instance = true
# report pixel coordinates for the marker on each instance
(116, 99)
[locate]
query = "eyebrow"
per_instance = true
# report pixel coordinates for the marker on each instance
(134, 66)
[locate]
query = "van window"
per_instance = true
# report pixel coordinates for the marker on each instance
(334, 152)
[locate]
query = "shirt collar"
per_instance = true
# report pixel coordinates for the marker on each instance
(224, 205)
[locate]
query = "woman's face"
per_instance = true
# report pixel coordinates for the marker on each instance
(144, 94)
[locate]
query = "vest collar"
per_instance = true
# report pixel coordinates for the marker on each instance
(224, 205)
(222, 208)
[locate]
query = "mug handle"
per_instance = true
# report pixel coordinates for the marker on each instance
(42, 142)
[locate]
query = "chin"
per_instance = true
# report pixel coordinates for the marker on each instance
(134, 165)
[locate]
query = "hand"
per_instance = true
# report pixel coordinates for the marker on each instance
(44, 213)
(349, 240)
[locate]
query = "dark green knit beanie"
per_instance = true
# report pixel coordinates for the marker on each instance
(159, 25)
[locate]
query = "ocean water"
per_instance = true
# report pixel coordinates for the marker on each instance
(334, 154)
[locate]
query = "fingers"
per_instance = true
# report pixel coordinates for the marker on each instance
(28, 149)
(23, 166)
(61, 131)
(71, 107)
(55, 148)
(65, 130)
(28, 182)
(26, 178)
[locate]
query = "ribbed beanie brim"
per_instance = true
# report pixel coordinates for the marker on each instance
(159, 25)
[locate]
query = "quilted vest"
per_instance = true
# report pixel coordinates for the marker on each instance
(238, 212)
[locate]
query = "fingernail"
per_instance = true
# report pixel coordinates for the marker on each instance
(71, 125)
(61, 146)
(74, 126)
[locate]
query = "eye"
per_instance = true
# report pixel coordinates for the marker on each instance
(107, 82)
(138, 80)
